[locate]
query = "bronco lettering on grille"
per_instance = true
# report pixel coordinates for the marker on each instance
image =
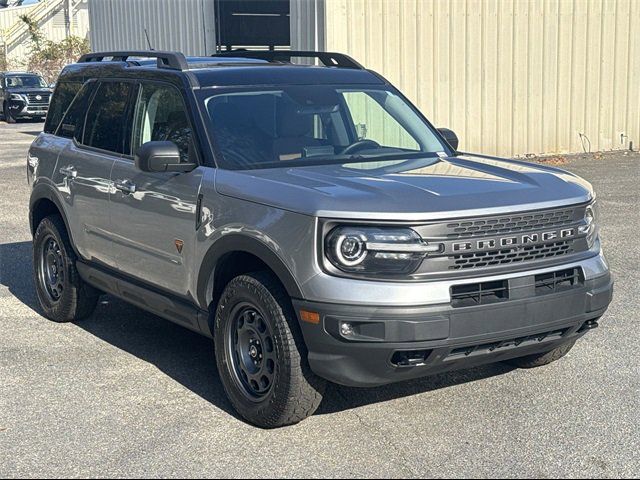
(515, 241)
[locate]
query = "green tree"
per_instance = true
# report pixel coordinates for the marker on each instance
(48, 57)
(4, 66)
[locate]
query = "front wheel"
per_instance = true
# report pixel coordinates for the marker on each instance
(8, 117)
(541, 359)
(260, 353)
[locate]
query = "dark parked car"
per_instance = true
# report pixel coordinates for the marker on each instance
(23, 95)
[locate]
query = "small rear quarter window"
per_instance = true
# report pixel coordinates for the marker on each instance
(63, 95)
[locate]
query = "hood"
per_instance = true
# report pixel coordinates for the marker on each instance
(409, 190)
(29, 90)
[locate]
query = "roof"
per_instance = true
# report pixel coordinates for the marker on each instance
(19, 73)
(281, 75)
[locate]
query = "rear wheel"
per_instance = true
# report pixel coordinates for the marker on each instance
(541, 359)
(261, 357)
(62, 294)
(8, 117)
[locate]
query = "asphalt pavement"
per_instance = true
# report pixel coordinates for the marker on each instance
(125, 393)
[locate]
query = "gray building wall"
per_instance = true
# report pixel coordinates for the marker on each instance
(308, 25)
(183, 25)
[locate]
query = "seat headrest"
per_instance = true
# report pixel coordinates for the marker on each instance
(230, 116)
(292, 123)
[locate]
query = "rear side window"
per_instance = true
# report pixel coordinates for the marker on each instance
(73, 122)
(63, 96)
(107, 117)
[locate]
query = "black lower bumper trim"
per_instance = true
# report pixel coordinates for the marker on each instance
(370, 346)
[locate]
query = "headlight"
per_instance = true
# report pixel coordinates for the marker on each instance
(18, 97)
(376, 251)
(590, 227)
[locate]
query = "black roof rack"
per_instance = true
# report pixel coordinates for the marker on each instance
(168, 60)
(329, 59)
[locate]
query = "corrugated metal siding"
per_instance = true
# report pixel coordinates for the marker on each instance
(183, 25)
(307, 25)
(510, 77)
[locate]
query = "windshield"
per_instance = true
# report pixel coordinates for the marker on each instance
(25, 81)
(315, 125)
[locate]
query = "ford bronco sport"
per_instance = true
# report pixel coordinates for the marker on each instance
(23, 95)
(309, 219)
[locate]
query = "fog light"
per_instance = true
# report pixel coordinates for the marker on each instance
(346, 329)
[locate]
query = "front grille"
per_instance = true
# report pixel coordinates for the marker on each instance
(503, 242)
(510, 224)
(512, 255)
(44, 100)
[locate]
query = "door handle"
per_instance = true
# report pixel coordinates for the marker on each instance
(69, 172)
(125, 186)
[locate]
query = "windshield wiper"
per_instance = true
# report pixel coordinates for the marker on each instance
(358, 157)
(339, 160)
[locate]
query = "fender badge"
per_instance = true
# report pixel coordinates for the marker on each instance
(179, 245)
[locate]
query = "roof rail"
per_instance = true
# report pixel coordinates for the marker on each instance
(168, 60)
(329, 59)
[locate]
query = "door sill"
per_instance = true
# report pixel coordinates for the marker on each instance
(145, 297)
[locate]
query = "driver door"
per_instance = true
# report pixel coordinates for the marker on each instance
(154, 214)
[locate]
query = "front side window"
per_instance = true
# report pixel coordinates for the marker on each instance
(303, 125)
(161, 115)
(25, 81)
(106, 118)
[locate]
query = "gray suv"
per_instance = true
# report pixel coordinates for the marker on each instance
(309, 219)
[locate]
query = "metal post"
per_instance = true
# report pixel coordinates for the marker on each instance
(68, 17)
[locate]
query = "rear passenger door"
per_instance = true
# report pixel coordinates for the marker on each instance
(154, 214)
(94, 126)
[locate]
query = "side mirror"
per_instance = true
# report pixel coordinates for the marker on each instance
(154, 157)
(450, 136)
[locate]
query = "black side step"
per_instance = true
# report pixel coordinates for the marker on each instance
(163, 305)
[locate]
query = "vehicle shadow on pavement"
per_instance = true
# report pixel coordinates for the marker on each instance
(15, 272)
(339, 398)
(185, 356)
(188, 358)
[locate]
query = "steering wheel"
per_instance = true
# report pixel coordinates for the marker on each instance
(360, 145)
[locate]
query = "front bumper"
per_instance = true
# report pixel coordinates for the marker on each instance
(393, 343)
(21, 109)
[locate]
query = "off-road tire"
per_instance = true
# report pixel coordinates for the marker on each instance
(77, 299)
(7, 114)
(541, 359)
(295, 392)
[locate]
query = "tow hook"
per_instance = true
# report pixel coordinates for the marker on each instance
(589, 325)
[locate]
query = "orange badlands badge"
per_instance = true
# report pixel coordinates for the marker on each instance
(179, 245)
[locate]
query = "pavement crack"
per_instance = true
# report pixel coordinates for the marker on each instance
(408, 471)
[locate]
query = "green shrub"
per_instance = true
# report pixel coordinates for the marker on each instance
(47, 57)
